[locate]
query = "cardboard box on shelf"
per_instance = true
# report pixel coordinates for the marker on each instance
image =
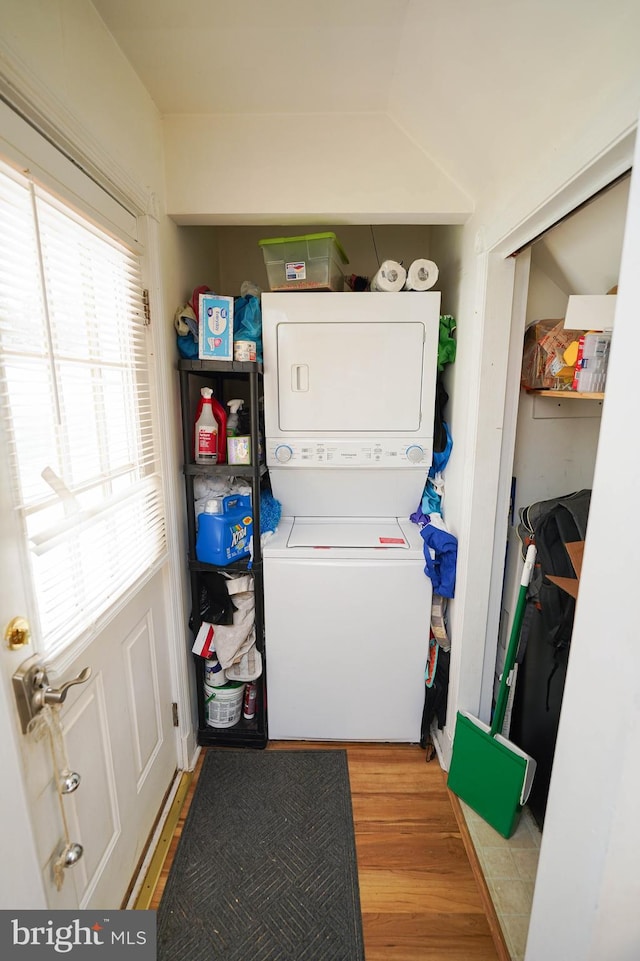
(543, 364)
(215, 330)
(575, 550)
(592, 362)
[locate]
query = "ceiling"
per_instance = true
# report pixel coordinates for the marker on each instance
(480, 88)
(483, 89)
(269, 56)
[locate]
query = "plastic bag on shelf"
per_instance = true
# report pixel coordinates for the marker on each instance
(215, 606)
(247, 322)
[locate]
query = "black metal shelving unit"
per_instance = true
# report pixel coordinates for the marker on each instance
(216, 374)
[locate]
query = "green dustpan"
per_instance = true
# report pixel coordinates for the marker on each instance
(488, 772)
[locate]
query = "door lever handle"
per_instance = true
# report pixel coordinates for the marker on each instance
(51, 695)
(33, 691)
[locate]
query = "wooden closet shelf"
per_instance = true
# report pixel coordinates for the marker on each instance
(567, 394)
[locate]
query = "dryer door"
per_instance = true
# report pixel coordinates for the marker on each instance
(356, 377)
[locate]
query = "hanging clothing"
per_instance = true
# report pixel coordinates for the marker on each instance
(440, 553)
(446, 341)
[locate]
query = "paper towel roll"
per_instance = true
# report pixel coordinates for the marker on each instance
(391, 276)
(421, 275)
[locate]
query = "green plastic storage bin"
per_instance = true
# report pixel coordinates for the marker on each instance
(309, 262)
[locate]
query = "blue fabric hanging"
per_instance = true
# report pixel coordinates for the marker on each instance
(441, 568)
(441, 458)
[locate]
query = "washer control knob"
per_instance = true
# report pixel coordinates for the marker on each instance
(415, 454)
(283, 454)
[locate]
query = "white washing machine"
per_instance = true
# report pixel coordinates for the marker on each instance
(349, 398)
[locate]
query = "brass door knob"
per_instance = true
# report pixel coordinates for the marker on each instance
(17, 633)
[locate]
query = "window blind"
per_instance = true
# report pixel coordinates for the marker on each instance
(76, 401)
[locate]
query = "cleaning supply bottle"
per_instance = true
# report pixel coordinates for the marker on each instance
(225, 527)
(220, 415)
(206, 430)
(233, 420)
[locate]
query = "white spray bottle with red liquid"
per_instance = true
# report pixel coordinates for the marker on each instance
(206, 431)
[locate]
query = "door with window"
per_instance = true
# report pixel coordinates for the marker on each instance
(82, 557)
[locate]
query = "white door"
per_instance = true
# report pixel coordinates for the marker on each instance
(118, 736)
(115, 729)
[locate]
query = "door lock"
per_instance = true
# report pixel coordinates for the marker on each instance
(17, 633)
(33, 691)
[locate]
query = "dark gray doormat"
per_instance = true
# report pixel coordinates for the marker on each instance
(266, 865)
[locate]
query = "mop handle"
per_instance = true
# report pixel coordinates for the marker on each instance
(512, 649)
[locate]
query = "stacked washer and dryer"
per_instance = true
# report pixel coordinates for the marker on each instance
(349, 384)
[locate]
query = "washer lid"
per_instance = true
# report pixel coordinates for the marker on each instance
(383, 532)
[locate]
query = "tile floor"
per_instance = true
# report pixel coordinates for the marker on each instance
(509, 867)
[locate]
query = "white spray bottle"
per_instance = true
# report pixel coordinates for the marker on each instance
(232, 420)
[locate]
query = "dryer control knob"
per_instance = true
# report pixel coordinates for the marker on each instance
(415, 454)
(283, 454)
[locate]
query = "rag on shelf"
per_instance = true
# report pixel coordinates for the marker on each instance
(186, 320)
(205, 488)
(231, 641)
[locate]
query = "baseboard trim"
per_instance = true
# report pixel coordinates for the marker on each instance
(150, 872)
(487, 902)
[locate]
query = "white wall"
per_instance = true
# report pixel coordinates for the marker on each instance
(341, 168)
(241, 257)
(557, 439)
(62, 48)
(497, 93)
(198, 260)
(446, 251)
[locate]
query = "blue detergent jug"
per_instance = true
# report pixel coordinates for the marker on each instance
(224, 530)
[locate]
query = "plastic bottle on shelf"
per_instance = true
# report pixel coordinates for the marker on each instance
(225, 527)
(249, 703)
(220, 415)
(233, 420)
(206, 430)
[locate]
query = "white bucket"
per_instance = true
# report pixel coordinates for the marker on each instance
(223, 705)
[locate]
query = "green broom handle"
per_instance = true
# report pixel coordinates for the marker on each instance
(512, 649)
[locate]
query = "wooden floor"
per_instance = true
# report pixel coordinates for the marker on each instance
(422, 895)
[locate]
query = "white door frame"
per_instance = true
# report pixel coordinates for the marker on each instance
(502, 278)
(181, 669)
(512, 392)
